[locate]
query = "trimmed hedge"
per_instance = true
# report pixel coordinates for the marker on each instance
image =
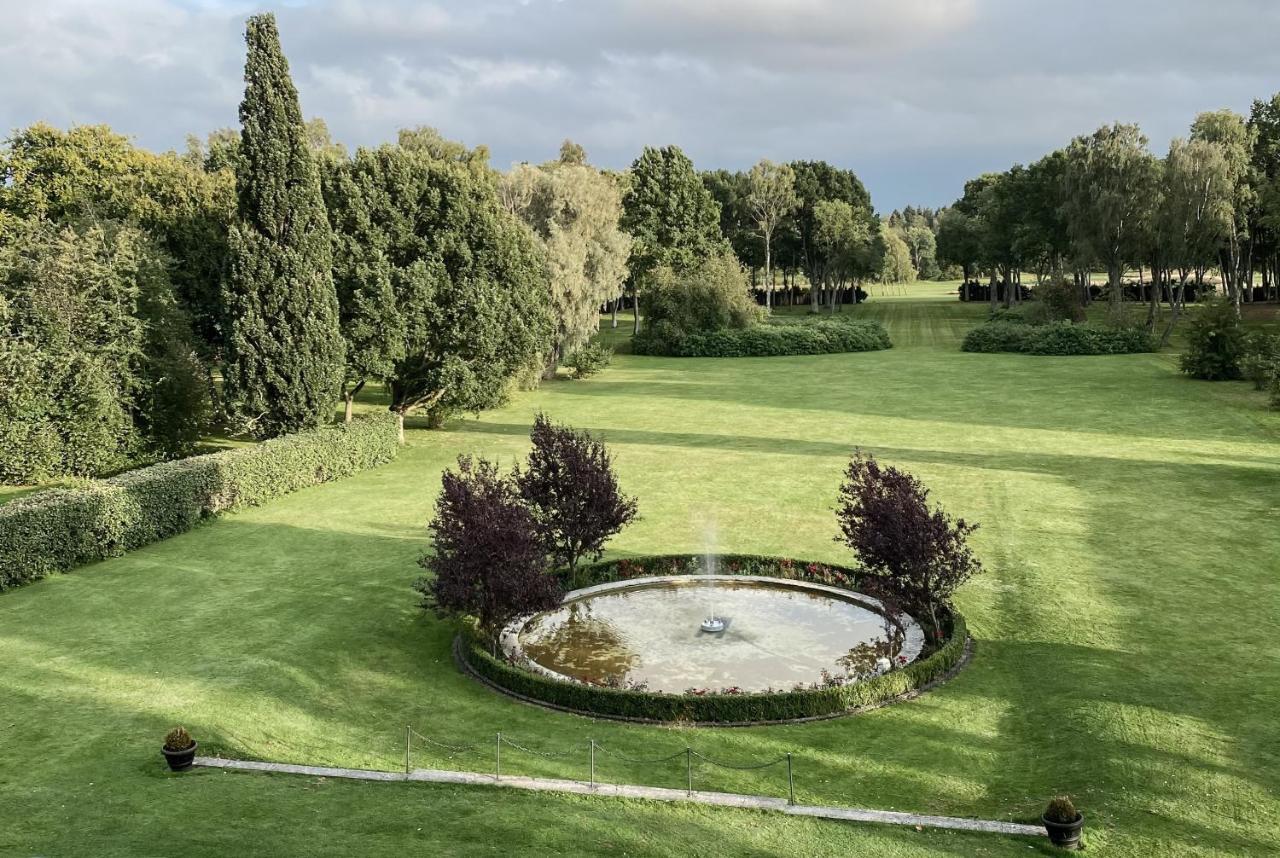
(1056, 338)
(717, 708)
(61, 528)
(811, 338)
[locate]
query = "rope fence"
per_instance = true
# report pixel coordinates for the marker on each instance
(589, 752)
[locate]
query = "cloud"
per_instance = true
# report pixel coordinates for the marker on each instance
(916, 95)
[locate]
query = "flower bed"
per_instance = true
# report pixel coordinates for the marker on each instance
(942, 654)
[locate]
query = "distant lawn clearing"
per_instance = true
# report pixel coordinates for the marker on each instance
(1130, 526)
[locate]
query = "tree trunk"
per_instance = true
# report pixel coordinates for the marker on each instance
(614, 311)
(768, 278)
(553, 361)
(350, 397)
(400, 426)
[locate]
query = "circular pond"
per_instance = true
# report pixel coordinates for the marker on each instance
(713, 633)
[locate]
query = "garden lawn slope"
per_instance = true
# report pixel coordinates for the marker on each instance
(1130, 527)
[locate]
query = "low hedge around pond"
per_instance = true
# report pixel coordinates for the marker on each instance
(58, 529)
(824, 336)
(1056, 338)
(725, 709)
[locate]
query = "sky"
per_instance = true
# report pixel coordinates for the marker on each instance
(914, 95)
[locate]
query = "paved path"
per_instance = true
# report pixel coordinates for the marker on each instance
(722, 799)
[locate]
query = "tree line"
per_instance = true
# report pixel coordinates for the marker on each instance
(1106, 202)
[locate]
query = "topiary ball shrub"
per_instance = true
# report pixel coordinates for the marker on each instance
(1061, 809)
(1063, 822)
(589, 360)
(178, 739)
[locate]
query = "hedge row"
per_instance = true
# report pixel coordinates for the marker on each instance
(1057, 338)
(61, 528)
(819, 337)
(717, 708)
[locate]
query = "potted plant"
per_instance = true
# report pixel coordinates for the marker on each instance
(179, 749)
(1063, 822)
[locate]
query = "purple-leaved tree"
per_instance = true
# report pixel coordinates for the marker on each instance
(489, 559)
(917, 552)
(572, 493)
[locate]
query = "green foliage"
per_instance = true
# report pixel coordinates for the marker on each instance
(1062, 810)
(718, 708)
(824, 336)
(574, 210)
(670, 214)
(895, 258)
(592, 358)
(444, 295)
(178, 739)
(1215, 343)
(710, 296)
(99, 361)
(285, 353)
(1261, 361)
(58, 529)
(1056, 338)
(90, 174)
(1060, 300)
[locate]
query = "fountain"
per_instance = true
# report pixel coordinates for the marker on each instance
(713, 625)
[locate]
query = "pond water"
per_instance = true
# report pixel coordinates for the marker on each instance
(777, 634)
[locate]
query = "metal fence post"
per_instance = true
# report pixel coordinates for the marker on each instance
(497, 757)
(791, 784)
(407, 739)
(688, 763)
(593, 763)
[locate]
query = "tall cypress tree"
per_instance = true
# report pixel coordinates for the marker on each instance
(284, 362)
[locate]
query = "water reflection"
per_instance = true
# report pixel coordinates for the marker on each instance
(777, 637)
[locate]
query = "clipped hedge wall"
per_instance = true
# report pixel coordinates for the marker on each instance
(820, 337)
(744, 708)
(61, 528)
(1056, 338)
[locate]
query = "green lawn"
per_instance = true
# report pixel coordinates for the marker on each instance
(1130, 526)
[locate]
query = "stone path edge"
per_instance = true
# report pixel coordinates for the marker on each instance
(717, 799)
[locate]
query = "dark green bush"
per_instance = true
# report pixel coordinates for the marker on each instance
(1261, 361)
(1056, 338)
(178, 739)
(721, 708)
(817, 337)
(592, 358)
(61, 528)
(1062, 810)
(1215, 343)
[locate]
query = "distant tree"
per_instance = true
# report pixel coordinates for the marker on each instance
(488, 558)
(572, 153)
(670, 215)
(1109, 183)
(284, 361)
(1236, 141)
(919, 553)
(817, 181)
(445, 294)
(923, 247)
(710, 296)
(771, 198)
(731, 190)
(959, 241)
(1196, 214)
(841, 249)
(573, 493)
(433, 144)
(573, 209)
(895, 258)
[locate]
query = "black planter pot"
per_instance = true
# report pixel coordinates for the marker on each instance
(180, 761)
(1064, 834)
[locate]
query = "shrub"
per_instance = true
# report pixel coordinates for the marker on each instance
(724, 708)
(1215, 343)
(920, 554)
(61, 528)
(1056, 338)
(1261, 361)
(592, 358)
(178, 739)
(572, 492)
(1060, 300)
(709, 297)
(487, 555)
(817, 337)
(1061, 810)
